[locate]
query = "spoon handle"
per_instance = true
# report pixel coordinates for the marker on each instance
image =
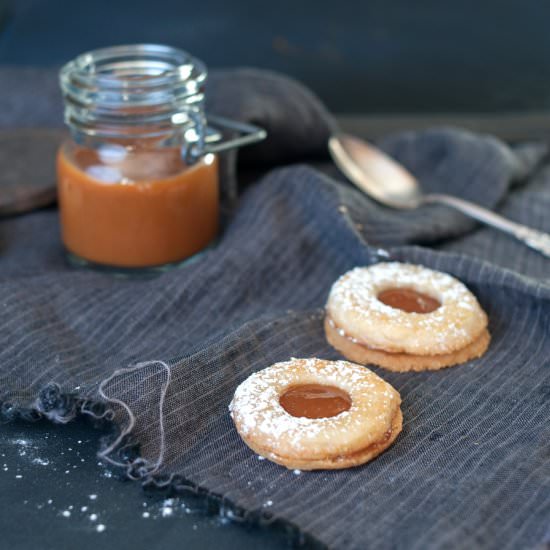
(537, 240)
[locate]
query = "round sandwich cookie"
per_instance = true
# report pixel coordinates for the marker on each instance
(404, 317)
(312, 414)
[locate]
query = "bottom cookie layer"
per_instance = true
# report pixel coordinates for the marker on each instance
(340, 462)
(403, 362)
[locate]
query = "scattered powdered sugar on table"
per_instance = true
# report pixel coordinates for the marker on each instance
(89, 513)
(29, 449)
(25, 459)
(167, 508)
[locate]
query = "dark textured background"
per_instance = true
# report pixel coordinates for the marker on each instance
(359, 56)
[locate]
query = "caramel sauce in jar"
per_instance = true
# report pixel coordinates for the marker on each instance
(144, 209)
(408, 300)
(315, 401)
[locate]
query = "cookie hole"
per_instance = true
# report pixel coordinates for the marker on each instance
(409, 300)
(315, 401)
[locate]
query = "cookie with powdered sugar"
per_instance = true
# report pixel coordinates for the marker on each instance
(405, 317)
(312, 414)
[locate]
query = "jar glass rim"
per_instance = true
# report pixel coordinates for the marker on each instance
(137, 90)
(134, 66)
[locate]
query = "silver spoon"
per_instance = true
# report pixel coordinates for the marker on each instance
(392, 185)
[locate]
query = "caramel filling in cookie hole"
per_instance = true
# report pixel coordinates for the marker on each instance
(408, 300)
(315, 401)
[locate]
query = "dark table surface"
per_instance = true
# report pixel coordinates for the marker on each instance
(55, 494)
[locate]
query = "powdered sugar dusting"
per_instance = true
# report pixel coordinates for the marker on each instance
(256, 401)
(354, 297)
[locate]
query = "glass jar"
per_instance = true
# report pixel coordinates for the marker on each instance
(138, 180)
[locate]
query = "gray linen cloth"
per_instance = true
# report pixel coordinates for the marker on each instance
(164, 355)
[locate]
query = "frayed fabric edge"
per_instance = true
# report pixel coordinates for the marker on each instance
(57, 406)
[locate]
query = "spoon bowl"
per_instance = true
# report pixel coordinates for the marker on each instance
(374, 172)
